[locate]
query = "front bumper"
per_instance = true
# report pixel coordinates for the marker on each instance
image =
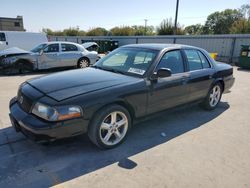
(41, 130)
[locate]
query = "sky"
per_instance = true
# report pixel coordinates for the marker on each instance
(87, 14)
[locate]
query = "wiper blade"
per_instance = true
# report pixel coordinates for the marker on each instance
(115, 71)
(109, 69)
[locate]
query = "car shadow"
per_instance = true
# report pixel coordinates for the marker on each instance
(64, 160)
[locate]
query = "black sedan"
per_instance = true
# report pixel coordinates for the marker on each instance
(129, 83)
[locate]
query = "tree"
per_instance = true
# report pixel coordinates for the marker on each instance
(99, 31)
(166, 27)
(221, 22)
(66, 32)
(245, 11)
(240, 27)
(194, 29)
(71, 31)
(141, 30)
(122, 31)
(48, 31)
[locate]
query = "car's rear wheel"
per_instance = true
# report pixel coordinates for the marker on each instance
(83, 63)
(213, 98)
(110, 126)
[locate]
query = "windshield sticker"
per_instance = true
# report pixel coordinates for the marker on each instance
(136, 71)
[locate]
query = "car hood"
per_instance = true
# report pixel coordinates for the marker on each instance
(67, 84)
(13, 51)
(89, 44)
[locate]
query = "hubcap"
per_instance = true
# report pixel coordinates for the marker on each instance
(214, 96)
(113, 128)
(84, 63)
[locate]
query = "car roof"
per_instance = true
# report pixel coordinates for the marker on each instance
(157, 46)
(57, 42)
(65, 42)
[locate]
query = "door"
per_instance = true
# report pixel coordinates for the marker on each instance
(69, 54)
(50, 57)
(3, 41)
(201, 74)
(170, 91)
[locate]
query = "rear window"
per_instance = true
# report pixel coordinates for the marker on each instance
(204, 61)
(2, 37)
(69, 48)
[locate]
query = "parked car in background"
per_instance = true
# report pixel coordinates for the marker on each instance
(131, 82)
(91, 46)
(20, 39)
(48, 55)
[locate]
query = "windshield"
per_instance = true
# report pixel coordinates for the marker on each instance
(133, 61)
(38, 48)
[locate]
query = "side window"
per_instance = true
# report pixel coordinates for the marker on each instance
(51, 48)
(69, 48)
(173, 61)
(2, 37)
(194, 60)
(204, 61)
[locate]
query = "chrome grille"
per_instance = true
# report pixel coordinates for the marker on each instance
(24, 102)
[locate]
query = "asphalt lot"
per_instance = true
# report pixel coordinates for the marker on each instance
(186, 147)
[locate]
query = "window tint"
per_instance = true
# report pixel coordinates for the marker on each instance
(69, 48)
(143, 57)
(117, 59)
(194, 60)
(2, 37)
(204, 61)
(128, 60)
(51, 48)
(173, 61)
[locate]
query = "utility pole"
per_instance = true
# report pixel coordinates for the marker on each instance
(176, 17)
(145, 28)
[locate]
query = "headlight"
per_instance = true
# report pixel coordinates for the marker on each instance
(56, 113)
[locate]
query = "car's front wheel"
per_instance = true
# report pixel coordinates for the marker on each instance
(110, 126)
(213, 98)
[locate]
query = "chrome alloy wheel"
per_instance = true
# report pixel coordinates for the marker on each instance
(113, 128)
(83, 63)
(215, 96)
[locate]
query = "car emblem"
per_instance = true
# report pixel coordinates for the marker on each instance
(21, 100)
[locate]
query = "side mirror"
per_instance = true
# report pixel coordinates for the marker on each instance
(161, 73)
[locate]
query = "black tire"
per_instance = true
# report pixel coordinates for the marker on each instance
(94, 130)
(24, 66)
(206, 104)
(82, 60)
